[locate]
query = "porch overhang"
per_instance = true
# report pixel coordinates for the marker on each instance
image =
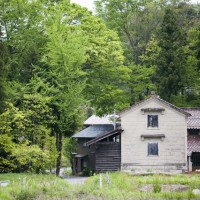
(80, 155)
(116, 131)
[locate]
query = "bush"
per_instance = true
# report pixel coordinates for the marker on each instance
(26, 195)
(156, 186)
(87, 172)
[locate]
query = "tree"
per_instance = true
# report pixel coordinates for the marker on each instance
(61, 76)
(24, 148)
(134, 21)
(106, 74)
(22, 34)
(171, 64)
(58, 57)
(142, 78)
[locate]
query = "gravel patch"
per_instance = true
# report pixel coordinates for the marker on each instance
(76, 180)
(165, 188)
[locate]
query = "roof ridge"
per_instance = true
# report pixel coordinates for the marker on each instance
(153, 96)
(175, 107)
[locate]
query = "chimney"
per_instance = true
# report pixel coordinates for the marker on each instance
(153, 94)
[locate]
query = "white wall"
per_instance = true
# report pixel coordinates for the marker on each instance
(172, 149)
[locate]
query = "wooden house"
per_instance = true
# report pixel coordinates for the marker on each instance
(99, 147)
(152, 137)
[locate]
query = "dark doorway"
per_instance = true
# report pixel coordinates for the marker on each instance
(195, 161)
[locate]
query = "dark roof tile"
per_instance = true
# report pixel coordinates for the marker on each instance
(193, 121)
(93, 131)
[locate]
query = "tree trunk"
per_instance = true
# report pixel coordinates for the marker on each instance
(59, 149)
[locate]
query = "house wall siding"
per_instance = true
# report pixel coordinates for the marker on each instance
(172, 149)
(89, 151)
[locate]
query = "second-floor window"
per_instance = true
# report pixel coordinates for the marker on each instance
(152, 121)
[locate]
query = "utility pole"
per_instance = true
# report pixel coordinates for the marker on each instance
(114, 119)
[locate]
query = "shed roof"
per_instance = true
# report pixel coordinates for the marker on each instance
(193, 121)
(94, 131)
(193, 144)
(103, 136)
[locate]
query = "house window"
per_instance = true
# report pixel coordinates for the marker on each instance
(152, 121)
(152, 149)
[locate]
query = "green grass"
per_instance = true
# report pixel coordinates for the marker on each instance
(122, 186)
(32, 186)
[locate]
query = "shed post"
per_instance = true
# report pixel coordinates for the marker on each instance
(189, 164)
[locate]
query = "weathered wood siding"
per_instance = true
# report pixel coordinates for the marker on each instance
(90, 152)
(108, 157)
(172, 149)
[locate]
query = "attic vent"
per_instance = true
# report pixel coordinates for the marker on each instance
(153, 136)
(153, 110)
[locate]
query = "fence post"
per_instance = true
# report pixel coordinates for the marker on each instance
(107, 179)
(100, 181)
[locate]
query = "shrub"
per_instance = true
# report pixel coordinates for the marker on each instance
(87, 172)
(156, 186)
(26, 195)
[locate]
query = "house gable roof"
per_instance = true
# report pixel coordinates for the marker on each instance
(93, 131)
(158, 99)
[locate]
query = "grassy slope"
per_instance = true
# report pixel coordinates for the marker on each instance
(122, 186)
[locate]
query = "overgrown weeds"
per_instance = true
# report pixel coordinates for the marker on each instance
(120, 186)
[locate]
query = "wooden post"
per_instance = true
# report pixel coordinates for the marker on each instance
(107, 179)
(114, 119)
(189, 164)
(100, 181)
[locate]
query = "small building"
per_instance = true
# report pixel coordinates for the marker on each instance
(98, 146)
(151, 137)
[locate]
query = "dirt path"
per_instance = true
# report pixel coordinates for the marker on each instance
(76, 180)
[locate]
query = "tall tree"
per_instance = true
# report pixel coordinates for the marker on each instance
(106, 74)
(134, 21)
(3, 75)
(61, 76)
(22, 33)
(171, 64)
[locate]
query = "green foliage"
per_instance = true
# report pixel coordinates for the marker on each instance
(141, 83)
(32, 186)
(156, 186)
(57, 58)
(6, 149)
(51, 65)
(87, 172)
(134, 21)
(122, 186)
(31, 158)
(162, 35)
(26, 195)
(69, 147)
(106, 75)
(23, 157)
(171, 71)
(12, 121)
(22, 35)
